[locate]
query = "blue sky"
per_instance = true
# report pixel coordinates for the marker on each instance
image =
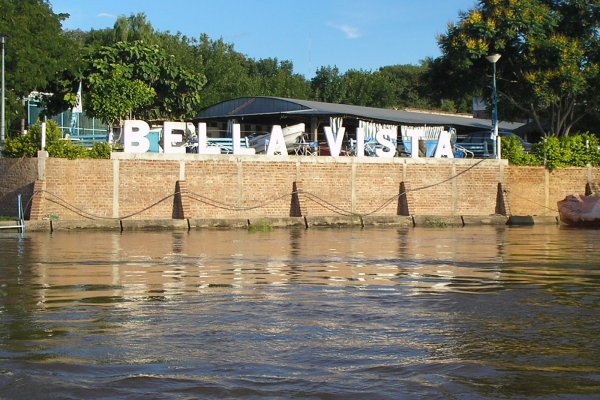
(349, 34)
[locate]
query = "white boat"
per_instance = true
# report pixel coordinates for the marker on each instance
(291, 135)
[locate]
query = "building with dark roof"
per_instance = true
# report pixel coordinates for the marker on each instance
(257, 114)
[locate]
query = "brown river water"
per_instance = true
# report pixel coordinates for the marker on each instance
(432, 313)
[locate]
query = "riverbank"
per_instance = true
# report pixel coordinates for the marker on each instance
(294, 190)
(420, 221)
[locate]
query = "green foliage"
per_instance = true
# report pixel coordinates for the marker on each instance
(574, 151)
(550, 62)
(555, 152)
(158, 88)
(513, 151)
(130, 79)
(188, 74)
(35, 51)
(115, 96)
(327, 85)
(29, 144)
(100, 150)
(66, 149)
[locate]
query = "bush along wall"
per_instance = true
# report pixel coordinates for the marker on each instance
(28, 145)
(553, 152)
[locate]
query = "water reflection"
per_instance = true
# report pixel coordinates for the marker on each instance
(68, 267)
(376, 313)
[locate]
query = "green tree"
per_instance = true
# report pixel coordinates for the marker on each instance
(36, 50)
(227, 72)
(550, 56)
(29, 144)
(133, 28)
(409, 86)
(327, 85)
(131, 78)
(115, 97)
(277, 78)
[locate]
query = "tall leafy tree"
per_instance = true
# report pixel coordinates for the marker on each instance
(171, 91)
(277, 78)
(36, 50)
(227, 72)
(327, 85)
(550, 57)
(133, 28)
(118, 96)
(408, 86)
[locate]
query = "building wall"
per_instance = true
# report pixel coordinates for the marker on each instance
(224, 187)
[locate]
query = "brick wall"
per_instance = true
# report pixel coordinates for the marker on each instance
(535, 191)
(144, 187)
(78, 189)
(145, 183)
(17, 175)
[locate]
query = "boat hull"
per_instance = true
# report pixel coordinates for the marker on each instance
(580, 211)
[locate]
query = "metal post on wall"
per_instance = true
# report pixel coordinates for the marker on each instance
(3, 39)
(494, 59)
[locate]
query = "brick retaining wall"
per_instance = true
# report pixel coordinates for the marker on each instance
(160, 187)
(17, 175)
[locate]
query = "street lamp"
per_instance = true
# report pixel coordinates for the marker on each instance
(493, 58)
(3, 39)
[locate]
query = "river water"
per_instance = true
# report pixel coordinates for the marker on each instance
(456, 313)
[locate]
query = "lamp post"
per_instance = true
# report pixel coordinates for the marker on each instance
(3, 39)
(493, 58)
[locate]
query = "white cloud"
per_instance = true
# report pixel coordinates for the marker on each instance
(106, 15)
(350, 31)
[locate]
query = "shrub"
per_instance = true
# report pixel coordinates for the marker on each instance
(513, 151)
(100, 150)
(553, 152)
(29, 144)
(572, 151)
(66, 149)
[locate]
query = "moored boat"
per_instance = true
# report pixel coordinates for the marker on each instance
(291, 134)
(579, 210)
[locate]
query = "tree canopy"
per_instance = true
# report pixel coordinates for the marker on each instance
(550, 57)
(548, 72)
(36, 49)
(131, 79)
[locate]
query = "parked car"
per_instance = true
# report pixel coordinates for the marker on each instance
(481, 143)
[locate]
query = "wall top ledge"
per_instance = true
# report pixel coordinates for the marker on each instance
(304, 159)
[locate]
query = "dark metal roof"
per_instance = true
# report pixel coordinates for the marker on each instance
(259, 105)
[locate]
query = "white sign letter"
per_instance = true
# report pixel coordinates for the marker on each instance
(237, 145)
(444, 147)
(173, 142)
(360, 142)
(414, 135)
(386, 138)
(277, 142)
(335, 144)
(134, 136)
(203, 147)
